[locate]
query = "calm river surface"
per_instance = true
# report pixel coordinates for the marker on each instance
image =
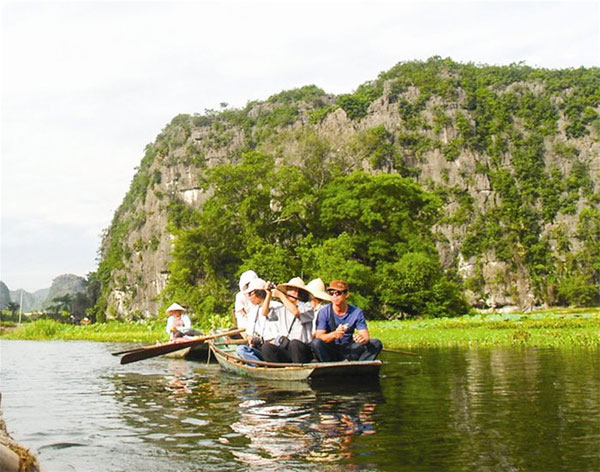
(503, 410)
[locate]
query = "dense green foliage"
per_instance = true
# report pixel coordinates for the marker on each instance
(519, 188)
(373, 231)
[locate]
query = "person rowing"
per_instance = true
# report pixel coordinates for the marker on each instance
(179, 324)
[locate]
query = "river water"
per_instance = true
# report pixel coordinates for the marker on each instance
(78, 409)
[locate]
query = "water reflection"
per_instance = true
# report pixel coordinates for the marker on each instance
(252, 423)
(455, 410)
(314, 423)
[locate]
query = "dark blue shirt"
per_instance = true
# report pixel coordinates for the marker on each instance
(354, 318)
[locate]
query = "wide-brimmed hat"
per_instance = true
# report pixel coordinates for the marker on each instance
(256, 284)
(316, 288)
(296, 282)
(245, 279)
(175, 307)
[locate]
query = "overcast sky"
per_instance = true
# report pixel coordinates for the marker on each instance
(86, 85)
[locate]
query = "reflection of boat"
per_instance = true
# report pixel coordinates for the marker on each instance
(280, 371)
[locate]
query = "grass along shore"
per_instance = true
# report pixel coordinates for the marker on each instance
(552, 328)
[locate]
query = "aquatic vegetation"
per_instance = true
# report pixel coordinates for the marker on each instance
(542, 329)
(568, 328)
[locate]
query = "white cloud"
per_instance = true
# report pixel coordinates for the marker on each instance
(86, 85)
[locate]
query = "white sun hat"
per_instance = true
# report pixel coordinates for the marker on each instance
(175, 307)
(256, 284)
(245, 279)
(316, 288)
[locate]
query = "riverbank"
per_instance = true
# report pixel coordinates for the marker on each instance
(551, 328)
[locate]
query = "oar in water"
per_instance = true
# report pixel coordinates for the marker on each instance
(153, 351)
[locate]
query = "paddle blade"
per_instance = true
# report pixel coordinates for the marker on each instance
(154, 351)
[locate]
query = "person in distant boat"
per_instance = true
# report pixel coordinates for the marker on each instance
(294, 322)
(319, 296)
(178, 323)
(260, 324)
(243, 305)
(341, 331)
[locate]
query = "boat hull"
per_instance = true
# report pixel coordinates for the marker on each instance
(316, 370)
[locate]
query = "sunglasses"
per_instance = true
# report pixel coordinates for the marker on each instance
(336, 292)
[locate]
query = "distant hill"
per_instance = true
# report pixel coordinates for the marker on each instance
(4, 296)
(67, 284)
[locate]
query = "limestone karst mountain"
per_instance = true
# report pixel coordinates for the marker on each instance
(512, 152)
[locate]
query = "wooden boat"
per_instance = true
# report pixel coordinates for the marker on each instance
(197, 352)
(281, 371)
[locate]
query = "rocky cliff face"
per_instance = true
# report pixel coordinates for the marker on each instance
(513, 152)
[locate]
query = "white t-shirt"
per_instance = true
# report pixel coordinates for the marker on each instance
(243, 307)
(265, 326)
(301, 328)
(182, 324)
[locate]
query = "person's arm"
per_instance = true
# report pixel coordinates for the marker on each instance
(361, 336)
(170, 325)
(332, 336)
(289, 304)
(187, 322)
(265, 308)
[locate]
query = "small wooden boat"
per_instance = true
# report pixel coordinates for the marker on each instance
(282, 371)
(197, 352)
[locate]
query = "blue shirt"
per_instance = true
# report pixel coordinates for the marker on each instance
(354, 318)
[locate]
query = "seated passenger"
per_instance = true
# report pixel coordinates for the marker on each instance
(178, 323)
(242, 304)
(294, 322)
(341, 332)
(260, 322)
(319, 296)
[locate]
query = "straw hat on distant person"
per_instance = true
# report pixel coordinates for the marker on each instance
(175, 307)
(316, 288)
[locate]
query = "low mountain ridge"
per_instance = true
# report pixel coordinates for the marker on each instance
(66, 284)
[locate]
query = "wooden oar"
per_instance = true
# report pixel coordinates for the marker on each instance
(153, 351)
(120, 353)
(143, 348)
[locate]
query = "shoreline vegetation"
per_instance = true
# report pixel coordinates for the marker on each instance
(556, 328)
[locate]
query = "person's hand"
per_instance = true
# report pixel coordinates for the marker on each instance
(340, 331)
(359, 338)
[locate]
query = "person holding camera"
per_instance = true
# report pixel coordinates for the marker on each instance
(341, 331)
(294, 322)
(260, 324)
